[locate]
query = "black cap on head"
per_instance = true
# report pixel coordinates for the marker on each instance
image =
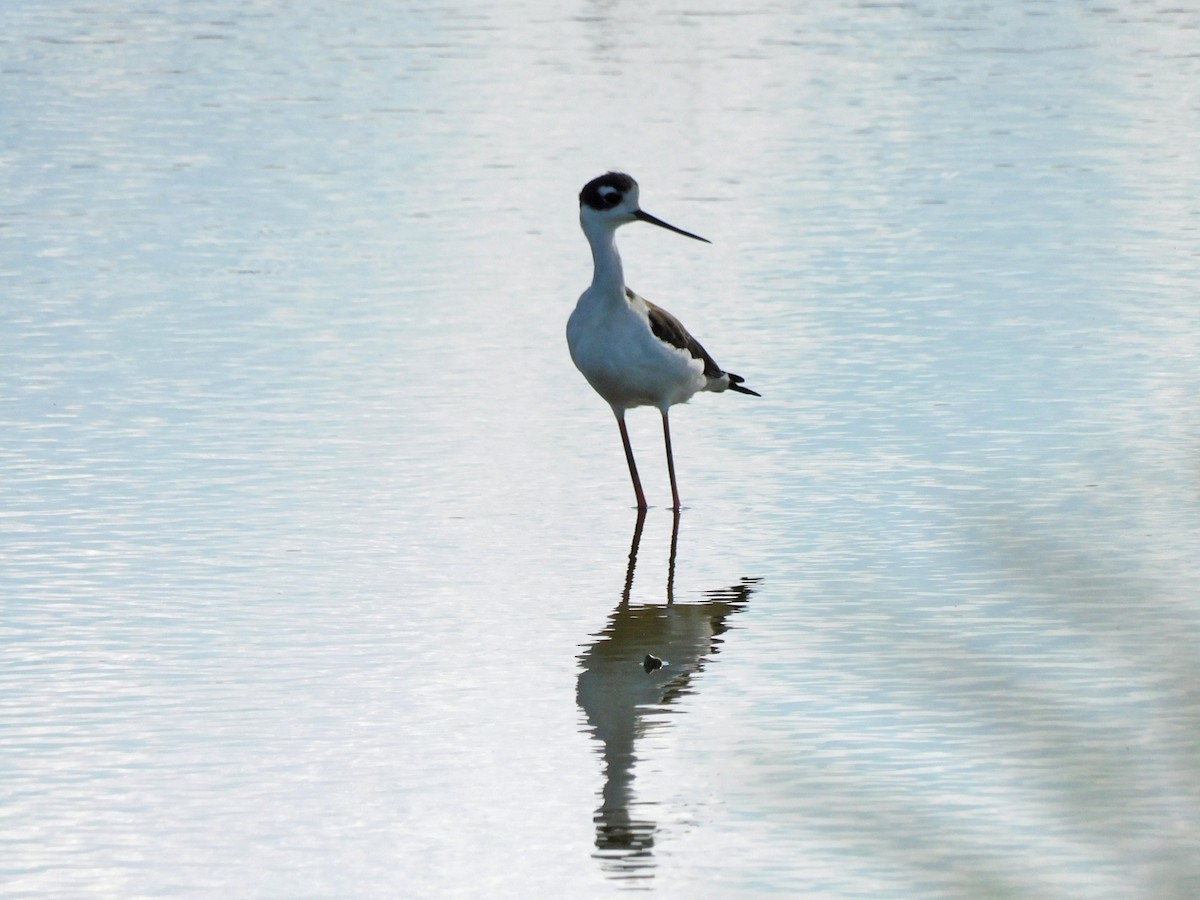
(606, 191)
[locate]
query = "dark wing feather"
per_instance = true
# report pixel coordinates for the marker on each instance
(735, 384)
(670, 330)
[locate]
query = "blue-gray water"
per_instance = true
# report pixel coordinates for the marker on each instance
(314, 547)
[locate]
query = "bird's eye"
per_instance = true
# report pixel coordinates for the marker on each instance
(610, 198)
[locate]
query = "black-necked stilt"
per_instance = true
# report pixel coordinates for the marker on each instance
(633, 352)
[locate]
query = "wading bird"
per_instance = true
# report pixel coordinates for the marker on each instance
(632, 352)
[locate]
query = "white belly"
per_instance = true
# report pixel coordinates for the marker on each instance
(625, 363)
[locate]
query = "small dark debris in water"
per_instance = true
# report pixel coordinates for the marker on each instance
(650, 663)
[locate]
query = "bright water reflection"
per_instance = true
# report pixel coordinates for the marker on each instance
(305, 514)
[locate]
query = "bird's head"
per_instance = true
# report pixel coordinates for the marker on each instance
(612, 200)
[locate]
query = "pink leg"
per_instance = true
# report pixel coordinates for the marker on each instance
(670, 463)
(633, 473)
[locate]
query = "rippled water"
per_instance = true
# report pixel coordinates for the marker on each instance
(318, 568)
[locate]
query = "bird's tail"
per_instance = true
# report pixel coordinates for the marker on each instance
(735, 384)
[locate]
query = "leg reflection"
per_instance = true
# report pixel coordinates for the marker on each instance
(623, 696)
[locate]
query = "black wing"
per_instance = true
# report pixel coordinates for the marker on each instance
(670, 330)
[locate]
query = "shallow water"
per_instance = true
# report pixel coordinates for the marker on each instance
(318, 566)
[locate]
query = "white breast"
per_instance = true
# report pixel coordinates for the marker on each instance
(612, 345)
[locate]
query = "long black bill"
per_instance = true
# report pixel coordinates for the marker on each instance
(643, 216)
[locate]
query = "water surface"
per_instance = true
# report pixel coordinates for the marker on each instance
(317, 558)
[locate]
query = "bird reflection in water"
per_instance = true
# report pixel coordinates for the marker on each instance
(641, 662)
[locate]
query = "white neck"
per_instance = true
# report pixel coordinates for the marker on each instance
(609, 276)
